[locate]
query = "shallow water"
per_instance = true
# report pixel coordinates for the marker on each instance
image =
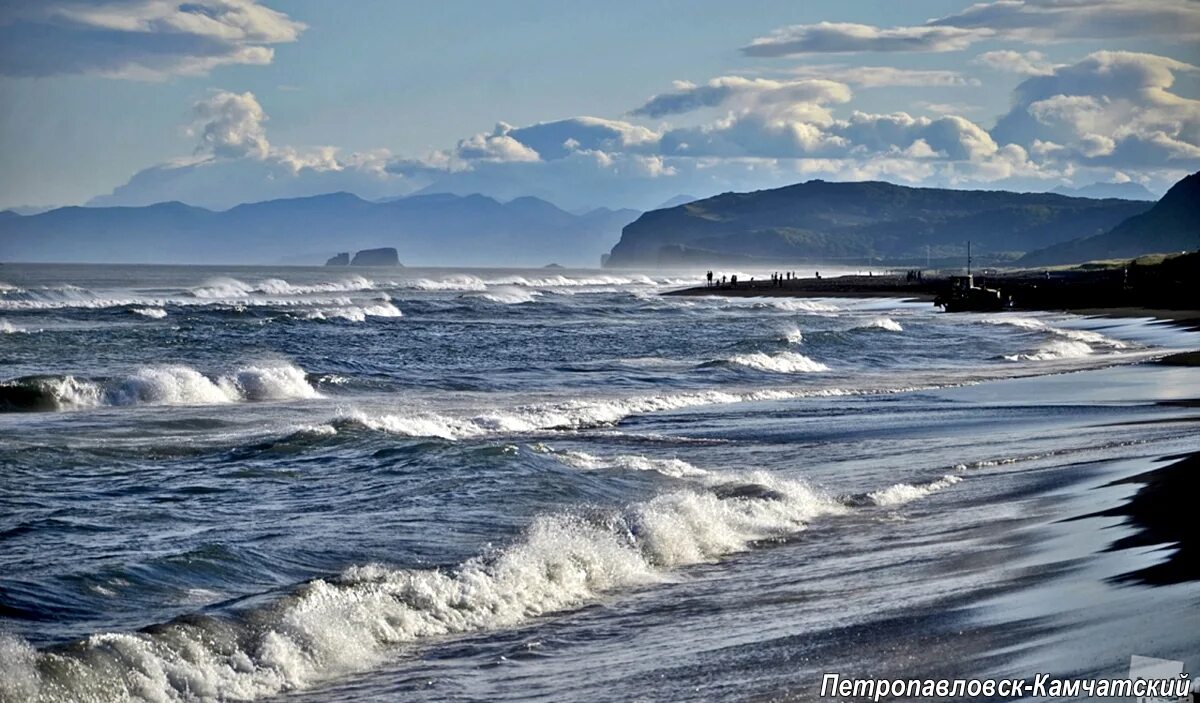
(488, 484)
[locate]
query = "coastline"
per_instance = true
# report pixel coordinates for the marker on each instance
(921, 291)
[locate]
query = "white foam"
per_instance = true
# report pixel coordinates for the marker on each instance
(790, 304)
(7, 327)
(222, 287)
(355, 313)
(782, 362)
(152, 313)
(564, 415)
(1057, 349)
(675, 468)
(886, 323)
(507, 295)
(452, 283)
(181, 385)
(792, 335)
(1085, 336)
(902, 493)
(333, 627)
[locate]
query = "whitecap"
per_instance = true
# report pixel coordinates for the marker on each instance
(901, 493)
(1057, 349)
(783, 362)
(885, 323)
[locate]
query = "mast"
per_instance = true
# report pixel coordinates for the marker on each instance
(968, 257)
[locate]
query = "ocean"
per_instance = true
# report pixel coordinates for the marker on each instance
(505, 485)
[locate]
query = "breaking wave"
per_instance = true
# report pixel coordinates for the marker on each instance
(1085, 336)
(506, 295)
(7, 327)
(566, 415)
(157, 385)
(783, 362)
(674, 468)
(884, 323)
(355, 313)
(902, 493)
(232, 288)
(152, 313)
(351, 622)
(1057, 349)
(792, 335)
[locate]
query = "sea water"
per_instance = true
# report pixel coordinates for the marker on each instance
(247, 483)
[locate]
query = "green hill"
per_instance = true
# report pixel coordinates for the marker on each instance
(1172, 225)
(822, 221)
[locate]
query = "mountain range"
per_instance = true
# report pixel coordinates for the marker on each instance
(1125, 191)
(433, 229)
(863, 221)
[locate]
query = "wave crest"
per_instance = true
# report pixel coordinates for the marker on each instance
(783, 362)
(902, 493)
(348, 623)
(157, 385)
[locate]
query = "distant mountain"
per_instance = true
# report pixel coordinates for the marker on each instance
(1172, 225)
(853, 222)
(677, 200)
(1100, 191)
(426, 230)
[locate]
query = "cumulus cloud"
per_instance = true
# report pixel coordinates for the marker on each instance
(1021, 20)
(230, 124)
(234, 162)
(497, 146)
(736, 91)
(137, 39)
(1029, 63)
(559, 138)
(1113, 108)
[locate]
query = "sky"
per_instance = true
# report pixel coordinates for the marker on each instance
(618, 104)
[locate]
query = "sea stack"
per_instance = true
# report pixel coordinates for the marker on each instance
(342, 259)
(384, 256)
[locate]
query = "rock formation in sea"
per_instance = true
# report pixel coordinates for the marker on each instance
(342, 259)
(383, 256)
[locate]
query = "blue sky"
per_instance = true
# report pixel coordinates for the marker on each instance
(220, 101)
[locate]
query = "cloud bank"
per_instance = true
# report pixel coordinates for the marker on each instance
(1107, 116)
(137, 39)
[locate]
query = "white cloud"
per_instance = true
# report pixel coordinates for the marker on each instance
(1113, 108)
(1020, 20)
(847, 38)
(1058, 20)
(1029, 63)
(884, 76)
(235, 162)
(742, 92)
(230, 124)
(138, 39)
(497, 146)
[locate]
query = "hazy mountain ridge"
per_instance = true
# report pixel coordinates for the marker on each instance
(1171, 225)
(820, 220)
(1124, 191)
(425, 229)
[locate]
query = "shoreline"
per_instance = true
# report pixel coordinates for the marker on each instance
(920, 291)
